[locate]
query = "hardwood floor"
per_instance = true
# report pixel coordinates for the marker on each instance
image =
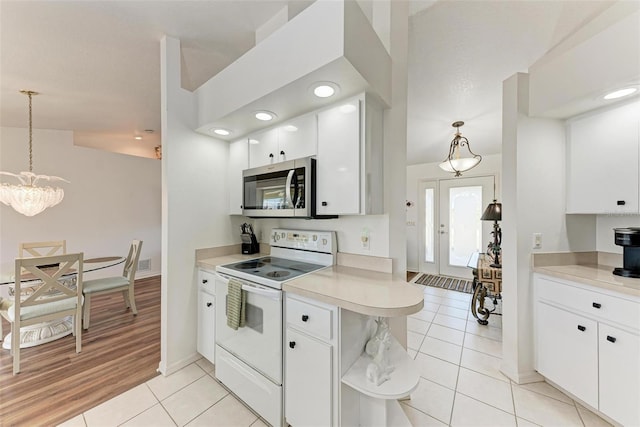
(119, 351)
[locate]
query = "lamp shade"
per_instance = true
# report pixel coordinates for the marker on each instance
(493, 212)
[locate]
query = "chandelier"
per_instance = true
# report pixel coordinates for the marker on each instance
(454, 161)
(27, 198)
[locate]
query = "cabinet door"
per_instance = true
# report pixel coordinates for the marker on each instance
(338, 165)
(567, 349)
(298, 138)
(620, 375)
(263, 148)
(238, 161)
(308, 380)
(602, 174)
(206, 325)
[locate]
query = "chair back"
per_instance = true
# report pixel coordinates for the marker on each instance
(47, 275)
(131, 263)
(39, 249)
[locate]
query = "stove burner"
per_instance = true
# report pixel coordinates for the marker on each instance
(248, 265)
(266, 260)
(278, 273)
(303, 267)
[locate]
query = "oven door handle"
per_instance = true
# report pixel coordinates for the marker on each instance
(287, 189)
(273, 294)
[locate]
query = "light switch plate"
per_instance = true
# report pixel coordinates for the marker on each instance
(537, 240)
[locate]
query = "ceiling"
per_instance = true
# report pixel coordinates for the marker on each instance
(97, 63)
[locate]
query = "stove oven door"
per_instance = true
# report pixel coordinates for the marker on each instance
(259, 343)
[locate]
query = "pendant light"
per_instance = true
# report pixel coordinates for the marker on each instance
(27, 198)
(455, 162)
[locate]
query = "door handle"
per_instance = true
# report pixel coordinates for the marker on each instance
(287, 189)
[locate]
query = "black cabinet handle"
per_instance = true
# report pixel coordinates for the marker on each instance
(305, 317)
(324, 203)
(581, 328)
(596, 305)
(292, 344)
(209, 304)
(271, 155)
(282, 153)
(611, 339)
(621, 202)
(205, 281)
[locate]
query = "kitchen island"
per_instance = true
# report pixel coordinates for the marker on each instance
(329, 316)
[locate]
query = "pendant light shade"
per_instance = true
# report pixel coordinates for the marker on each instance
(27, 198)
(459, 161)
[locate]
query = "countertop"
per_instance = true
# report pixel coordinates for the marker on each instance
(362, 291)
(600, 276)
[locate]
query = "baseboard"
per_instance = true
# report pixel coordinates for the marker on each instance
(521, 377)
(167, 370)
(146, 274)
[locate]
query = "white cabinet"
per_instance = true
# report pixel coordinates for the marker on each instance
(238, 161)
(619, 375)
(588, 342)
(349, 160)
(310, 353)
(290, 140)
(603, 161)
(206, 314)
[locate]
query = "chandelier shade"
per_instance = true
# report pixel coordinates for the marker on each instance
(457, 162)
(28, 198)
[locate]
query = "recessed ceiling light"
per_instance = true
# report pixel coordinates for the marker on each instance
(620, 93)
(137, 137)
(254, 141)
(220, 131)
(264, 115)
(290, 128)
(348, 108)
(325, 89)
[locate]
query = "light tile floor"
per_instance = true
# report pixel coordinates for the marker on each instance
(460, 384)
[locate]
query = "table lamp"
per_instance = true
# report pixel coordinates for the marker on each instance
(493, 212)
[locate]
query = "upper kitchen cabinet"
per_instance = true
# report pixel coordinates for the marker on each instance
(603, 162)
(349, 160)
(238, 161)
(291, 140)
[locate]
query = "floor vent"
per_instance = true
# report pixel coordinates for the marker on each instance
(144, 265)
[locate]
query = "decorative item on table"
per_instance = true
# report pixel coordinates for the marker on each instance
(249, 242)
(493, 212)
(27, 198)
(455, 162)
(379, 369)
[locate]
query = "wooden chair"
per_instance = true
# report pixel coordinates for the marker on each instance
(124, 283)
(33, 249)
(50, 298)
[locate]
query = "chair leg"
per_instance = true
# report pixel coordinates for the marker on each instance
(87, 311)
(77, 326)
(125, 296)
(15, 348)
(132, 300)
(11, 344)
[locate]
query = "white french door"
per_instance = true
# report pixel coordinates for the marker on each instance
(450, 225)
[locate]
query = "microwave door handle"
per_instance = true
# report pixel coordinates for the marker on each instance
(296, 191)
(287, 188)
(275, 295)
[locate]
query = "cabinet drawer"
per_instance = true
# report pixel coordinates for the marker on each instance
(207, 281)
(602, 306)
(313, 319)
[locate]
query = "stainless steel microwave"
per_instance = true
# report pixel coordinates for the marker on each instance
(280, 190)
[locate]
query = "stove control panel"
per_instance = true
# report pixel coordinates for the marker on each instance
(316, 241)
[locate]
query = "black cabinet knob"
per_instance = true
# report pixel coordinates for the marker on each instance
(324, 203)
(305, 317)
(581, 328)
(621, 202)
(209, 304)
(611, 339)
(292, 344)
(596, 305)
(205, 281)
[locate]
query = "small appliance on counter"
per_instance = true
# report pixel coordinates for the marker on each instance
(249, 242)
(629, 239)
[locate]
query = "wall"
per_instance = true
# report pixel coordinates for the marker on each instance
(111, 199)
(604, 230)
(194, 210)
(490, 165)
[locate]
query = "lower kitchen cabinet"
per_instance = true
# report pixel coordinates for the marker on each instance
(206, 315)
(588, 343)
(308, 380)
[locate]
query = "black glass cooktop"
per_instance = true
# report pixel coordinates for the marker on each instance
(274, 268)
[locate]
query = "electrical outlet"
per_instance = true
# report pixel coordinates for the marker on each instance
(537, 240)
(365, 239)
(411, 223)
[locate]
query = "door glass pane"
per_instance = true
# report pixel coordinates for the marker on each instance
(465, 228)
(429, 219)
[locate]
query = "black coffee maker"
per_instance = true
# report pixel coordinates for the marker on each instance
(629, 239)
(249, 242)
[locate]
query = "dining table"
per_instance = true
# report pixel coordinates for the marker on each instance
(45, 332)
